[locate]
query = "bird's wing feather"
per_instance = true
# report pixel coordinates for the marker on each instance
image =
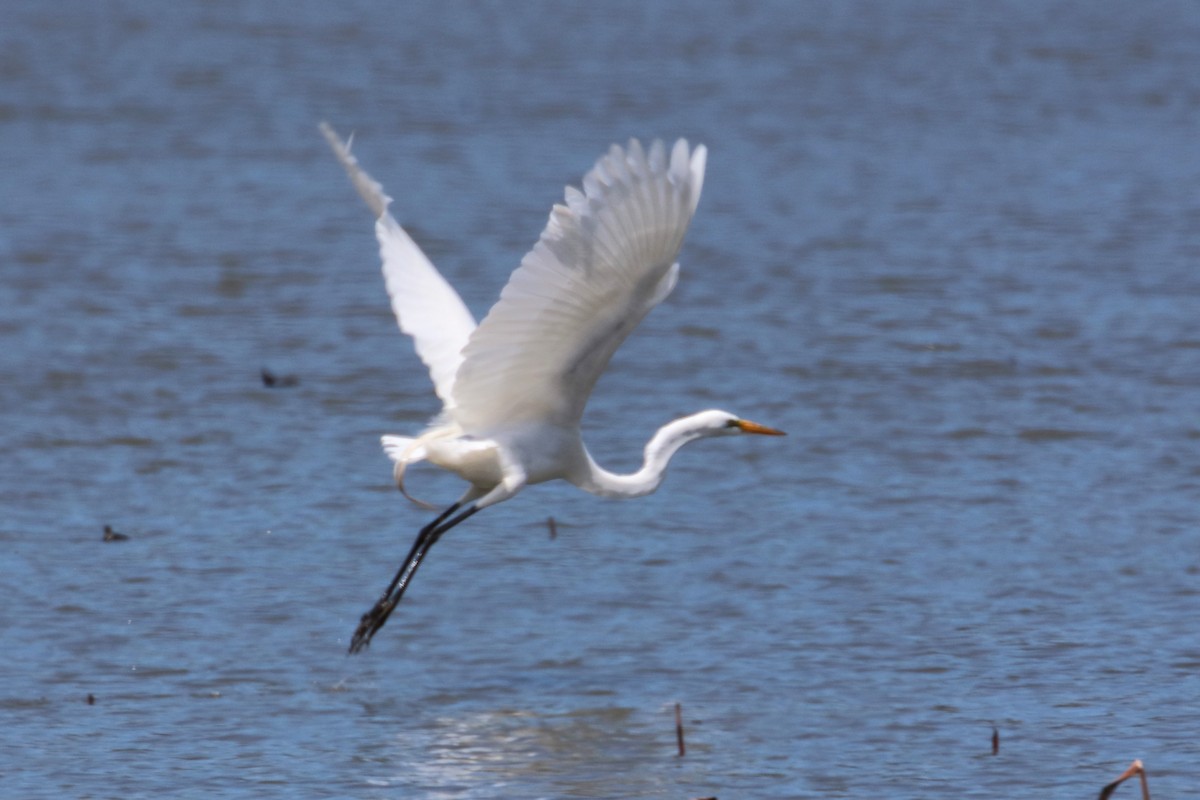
(604, 260)
(426, 307)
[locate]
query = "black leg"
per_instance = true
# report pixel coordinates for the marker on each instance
(374, 619)
(420, 543)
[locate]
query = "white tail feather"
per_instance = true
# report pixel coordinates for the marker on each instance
(405, 450)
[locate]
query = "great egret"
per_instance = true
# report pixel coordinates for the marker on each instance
(513, 389)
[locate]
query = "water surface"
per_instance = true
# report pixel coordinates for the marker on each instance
(951, 250)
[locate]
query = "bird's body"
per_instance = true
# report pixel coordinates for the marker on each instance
(514, 387)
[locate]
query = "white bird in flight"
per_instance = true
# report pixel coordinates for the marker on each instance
(514, 387)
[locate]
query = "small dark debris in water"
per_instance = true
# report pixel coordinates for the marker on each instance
(553, 526)
(270, 379)
(91, 699)
(113, 536)
(1135, 768)
(679, 729)
(995, 740)
(1051, 434)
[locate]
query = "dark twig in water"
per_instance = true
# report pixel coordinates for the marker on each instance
(995, 740)
(679, 729)
(553, 526)
(1135, 768)
(113, 536)
(270, 379)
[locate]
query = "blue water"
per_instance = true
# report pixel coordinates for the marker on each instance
(951, 250)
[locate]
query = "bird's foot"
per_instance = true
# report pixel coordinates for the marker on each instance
(371, 622)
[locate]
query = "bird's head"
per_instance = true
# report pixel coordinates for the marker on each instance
(722, 423)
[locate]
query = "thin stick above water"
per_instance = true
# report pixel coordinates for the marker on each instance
(679, 729)
(1135, 768)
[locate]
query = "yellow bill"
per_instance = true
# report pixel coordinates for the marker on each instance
(746, 426)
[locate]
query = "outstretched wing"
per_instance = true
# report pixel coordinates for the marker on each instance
(426, 307)
(604, 260)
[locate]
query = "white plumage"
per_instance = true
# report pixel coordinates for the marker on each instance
(514, 388)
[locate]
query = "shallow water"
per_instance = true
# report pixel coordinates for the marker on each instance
(951, 250)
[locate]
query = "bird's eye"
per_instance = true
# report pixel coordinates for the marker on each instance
(733, 423)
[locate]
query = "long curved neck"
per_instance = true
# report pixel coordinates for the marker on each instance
(659, 450)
